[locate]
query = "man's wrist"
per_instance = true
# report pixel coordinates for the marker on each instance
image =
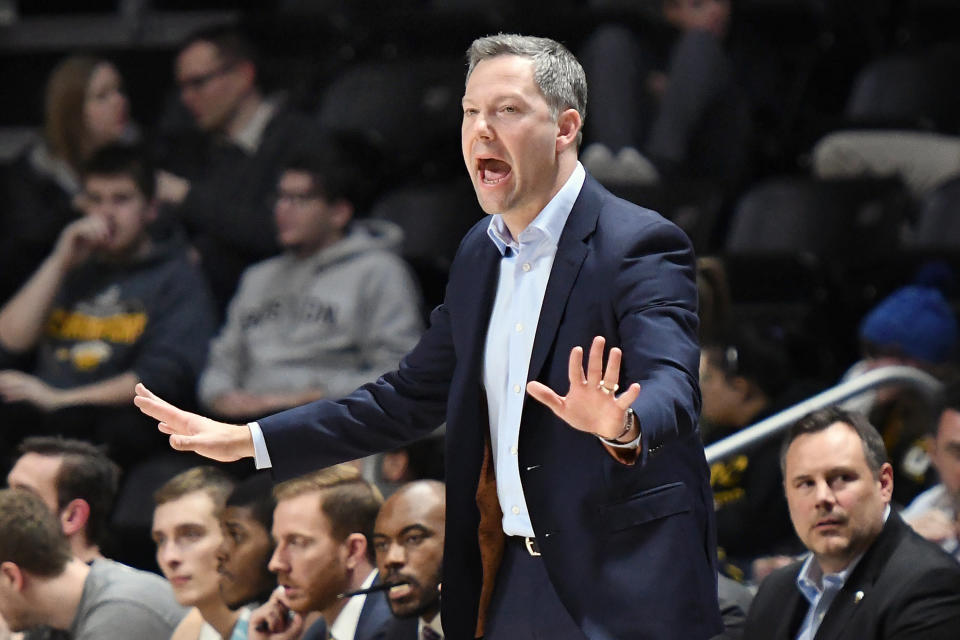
(629, 438)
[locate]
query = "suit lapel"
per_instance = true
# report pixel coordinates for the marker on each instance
(859, 585)
(475, 300)
(571, 252)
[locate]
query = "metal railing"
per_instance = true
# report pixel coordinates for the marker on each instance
(777, 423)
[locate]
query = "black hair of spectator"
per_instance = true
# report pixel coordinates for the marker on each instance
(947, 398)
(255, 493)
(344, 166)
(123, 160)
(231, 43)
(755, 354)
(86, 472)
(874, 451)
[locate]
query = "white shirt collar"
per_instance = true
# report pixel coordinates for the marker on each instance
(548, 223)
(249, 137)
(345, 626)
(434, 624)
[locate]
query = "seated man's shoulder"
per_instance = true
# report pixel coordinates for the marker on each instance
(118, 593)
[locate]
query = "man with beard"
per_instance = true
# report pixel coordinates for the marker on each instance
(321, 526)
(408, 541)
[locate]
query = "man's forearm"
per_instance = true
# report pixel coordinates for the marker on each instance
(22, 319)
(118, 390)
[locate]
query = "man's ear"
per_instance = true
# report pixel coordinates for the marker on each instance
(568, 126)
(341, 212)
(886, 481)
(152, 211)
(355, 549)
(11, 577)
(74, 516)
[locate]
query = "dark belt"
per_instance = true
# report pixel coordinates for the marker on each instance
(529, 544)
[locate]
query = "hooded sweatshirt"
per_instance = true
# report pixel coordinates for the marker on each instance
(333, 320)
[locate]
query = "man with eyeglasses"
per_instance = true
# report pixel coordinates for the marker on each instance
(218, 182)
(333, 311)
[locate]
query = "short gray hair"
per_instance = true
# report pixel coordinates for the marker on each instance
(556, 71)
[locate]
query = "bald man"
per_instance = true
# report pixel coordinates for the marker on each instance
(408, 541)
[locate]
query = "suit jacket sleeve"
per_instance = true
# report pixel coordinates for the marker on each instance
(400, 407)
(655, 304)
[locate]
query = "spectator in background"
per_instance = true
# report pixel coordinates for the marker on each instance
(743, 381)
(76, 481)
(408, 540)
(332, 312)
(186, 530)
(690, 120)
(85, 109)
(41, 583)
(935, 513)
(914, 326)
(869, 576)
(220, 185)
(322, 528)
(109, 307)
(244, 554)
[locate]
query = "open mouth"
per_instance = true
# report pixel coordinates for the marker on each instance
(492, 171)
(400, 590)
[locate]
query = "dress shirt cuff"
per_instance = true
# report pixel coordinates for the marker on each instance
(261, 457)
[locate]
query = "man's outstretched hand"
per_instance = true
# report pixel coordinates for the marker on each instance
(591, 404)
(190, 432)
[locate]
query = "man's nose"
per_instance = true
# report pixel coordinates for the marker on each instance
(824, 494)
(395, 555)
(277, 562)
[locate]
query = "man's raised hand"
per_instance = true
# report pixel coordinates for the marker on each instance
(191, 432)
(591, 404)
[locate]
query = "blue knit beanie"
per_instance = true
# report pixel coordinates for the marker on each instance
(917, 320)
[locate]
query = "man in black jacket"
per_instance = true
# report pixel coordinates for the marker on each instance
(868, 575)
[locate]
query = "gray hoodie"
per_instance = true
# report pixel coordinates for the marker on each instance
(333, 320)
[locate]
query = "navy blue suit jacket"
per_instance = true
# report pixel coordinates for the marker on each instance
(630, 549)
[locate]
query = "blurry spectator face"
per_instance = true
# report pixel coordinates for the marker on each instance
(721, 394)
(210, 87)
(702, 15)
(305, 220)
(187, 534)
(243, 556)
(37, 474)
(509, 138)
(310, 564)
(124, 209)
(105, 107)
(408, 540)
(836, 503)
(945, 452)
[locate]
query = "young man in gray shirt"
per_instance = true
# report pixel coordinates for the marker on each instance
(42, 583)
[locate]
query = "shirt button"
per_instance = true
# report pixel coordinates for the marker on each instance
(515, 510)
(526, 266)
(516, 388)
(519, 327)
(513, 450)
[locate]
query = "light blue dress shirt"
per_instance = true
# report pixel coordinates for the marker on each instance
(524, 272)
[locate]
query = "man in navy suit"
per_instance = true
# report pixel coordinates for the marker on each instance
(587, 515)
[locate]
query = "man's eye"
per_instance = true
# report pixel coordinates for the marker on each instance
(413, 539)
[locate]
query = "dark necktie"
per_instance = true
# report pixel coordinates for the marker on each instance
(429, 634)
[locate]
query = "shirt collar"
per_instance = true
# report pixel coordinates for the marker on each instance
(345, 626)
(434, 624)
(811, 579)
(249, 137)
(549, 222)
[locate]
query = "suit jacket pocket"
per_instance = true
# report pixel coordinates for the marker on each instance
(646, 506)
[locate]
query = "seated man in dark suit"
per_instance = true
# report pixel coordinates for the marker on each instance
(869, 576)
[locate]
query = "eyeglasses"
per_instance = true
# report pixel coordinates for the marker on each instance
(196, 83)
(294, 199)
